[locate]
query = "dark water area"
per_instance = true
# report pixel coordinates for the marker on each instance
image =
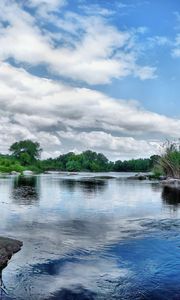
(91, 237)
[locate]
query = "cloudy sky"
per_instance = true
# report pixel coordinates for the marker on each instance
(90, 74)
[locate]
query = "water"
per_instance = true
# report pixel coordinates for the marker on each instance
(91, 238)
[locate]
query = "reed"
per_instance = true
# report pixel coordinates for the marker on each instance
(170, 160)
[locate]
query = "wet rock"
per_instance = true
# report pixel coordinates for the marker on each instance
(7, 248)
(28, 173)
(172, 183)
(139, 177)
(15, 173)
(104, 177)
(162, 177)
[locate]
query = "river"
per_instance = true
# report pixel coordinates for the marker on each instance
(89, 236)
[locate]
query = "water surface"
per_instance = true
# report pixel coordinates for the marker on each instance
(88, 236)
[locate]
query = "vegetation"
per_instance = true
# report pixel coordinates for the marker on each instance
(26, 155)
(26, 152)
(170, 160)
(9, 164)
(136, 165)
(86, 161)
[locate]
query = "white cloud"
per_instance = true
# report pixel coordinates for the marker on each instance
(176, 50)
(61, 117)
(161, 40)
(97, 53)
(44, 7)
(118, 145)
(83, 48)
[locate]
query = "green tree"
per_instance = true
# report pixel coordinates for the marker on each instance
(73, 166)
(27, 151)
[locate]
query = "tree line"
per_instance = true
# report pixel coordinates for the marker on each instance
(26, 155)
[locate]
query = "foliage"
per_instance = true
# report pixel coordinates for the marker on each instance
(73, 165)
(25, 155)
(26, 151)
(86, 161)
(157, 171)
(135, 165)
(170, 160)
(9, 164)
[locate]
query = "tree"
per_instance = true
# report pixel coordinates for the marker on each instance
(73, 166)
(26, 151)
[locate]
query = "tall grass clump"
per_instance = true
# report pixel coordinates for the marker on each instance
(170, 160)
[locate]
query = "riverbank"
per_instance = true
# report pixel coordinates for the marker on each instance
(8, 247)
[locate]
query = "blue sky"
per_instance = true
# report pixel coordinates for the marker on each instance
(96, 74)
(158, 19)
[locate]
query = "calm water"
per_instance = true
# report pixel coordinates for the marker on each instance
(91, 238)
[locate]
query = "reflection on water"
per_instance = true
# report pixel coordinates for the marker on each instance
(90, 238)
(88, 186)
(3, 292)
(25, 190)
(171, 196)
(78, 293)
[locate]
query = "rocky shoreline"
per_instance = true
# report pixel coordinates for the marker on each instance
(8, 247)
(173, 183)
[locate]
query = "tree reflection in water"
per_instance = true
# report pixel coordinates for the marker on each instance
(25, 190)
(88, 186)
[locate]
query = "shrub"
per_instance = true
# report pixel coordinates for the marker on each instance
(170, 160)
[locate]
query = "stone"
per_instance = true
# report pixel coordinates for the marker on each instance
(28, 173)
(7, 248)
(15, 173)
(171, 182)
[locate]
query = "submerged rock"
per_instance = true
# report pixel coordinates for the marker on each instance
(104, 177)
(7, 248)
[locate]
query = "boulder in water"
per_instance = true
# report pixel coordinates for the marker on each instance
(7, 248)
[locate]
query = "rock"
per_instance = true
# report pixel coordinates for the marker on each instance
(139, 177)
(171, 182)
(15, 173)
(72, 173)
(28, 173)
(104, 177)
(7, 248)
(162, 177)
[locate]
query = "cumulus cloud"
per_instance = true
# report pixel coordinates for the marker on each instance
(61, 117)
(84, 48)
(94, 51)
(105, 142)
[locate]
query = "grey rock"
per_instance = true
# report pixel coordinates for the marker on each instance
(7, 248)
(172, 182)
(27, 173)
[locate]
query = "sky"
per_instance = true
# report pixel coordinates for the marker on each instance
(90, 74)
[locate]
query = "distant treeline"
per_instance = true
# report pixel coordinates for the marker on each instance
(26, 155)
(96, 162)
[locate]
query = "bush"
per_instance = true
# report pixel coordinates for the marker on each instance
(170, 160)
